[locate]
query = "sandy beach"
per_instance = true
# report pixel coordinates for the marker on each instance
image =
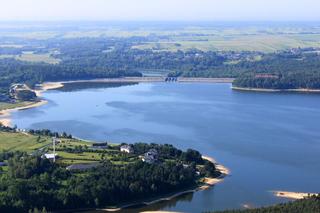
(5, 114)
(48, 86)
(208, 182)
(5, 121)
(292, 195)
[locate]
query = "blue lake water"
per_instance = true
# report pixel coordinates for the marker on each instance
(270, 141)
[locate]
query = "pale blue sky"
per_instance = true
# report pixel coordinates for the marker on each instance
(210, 10)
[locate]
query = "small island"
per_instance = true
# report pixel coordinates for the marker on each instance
(45, 170)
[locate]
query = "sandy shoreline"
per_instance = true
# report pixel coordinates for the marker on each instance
(276, 90)
(5, 114)
(207, 183)
(48, 86)
(292, 195)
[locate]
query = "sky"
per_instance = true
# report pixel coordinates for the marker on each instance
(161, 10)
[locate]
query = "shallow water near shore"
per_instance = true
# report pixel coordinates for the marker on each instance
(270, 141)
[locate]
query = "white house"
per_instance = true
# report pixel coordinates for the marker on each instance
(50, 156)
(126, 148)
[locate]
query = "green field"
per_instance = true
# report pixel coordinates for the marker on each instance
(31, 143)
(21, 142)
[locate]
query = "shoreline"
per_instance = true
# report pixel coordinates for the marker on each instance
(6, 113)
(249, 89)
(206, 184)
(292, 195)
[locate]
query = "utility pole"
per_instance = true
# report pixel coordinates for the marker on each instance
(54, 149)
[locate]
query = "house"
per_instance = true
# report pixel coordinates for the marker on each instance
(126, 148)
(151, 156)
(50, 156)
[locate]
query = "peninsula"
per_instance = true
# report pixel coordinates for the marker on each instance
(71, 173)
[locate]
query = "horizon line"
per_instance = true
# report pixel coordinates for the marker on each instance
(155, 20)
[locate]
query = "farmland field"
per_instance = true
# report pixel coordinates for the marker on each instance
(263, 43)
(265, 37)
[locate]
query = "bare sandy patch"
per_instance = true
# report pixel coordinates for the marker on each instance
(292, 195)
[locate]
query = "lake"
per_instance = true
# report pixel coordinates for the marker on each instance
(269, 141)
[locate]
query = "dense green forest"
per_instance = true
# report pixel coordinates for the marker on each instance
(283, 72)
(308, 205)
(34, 182)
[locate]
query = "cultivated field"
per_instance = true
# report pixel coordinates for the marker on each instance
(266, 37)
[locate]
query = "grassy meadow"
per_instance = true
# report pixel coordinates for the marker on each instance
(31, 143)
(21, 142)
